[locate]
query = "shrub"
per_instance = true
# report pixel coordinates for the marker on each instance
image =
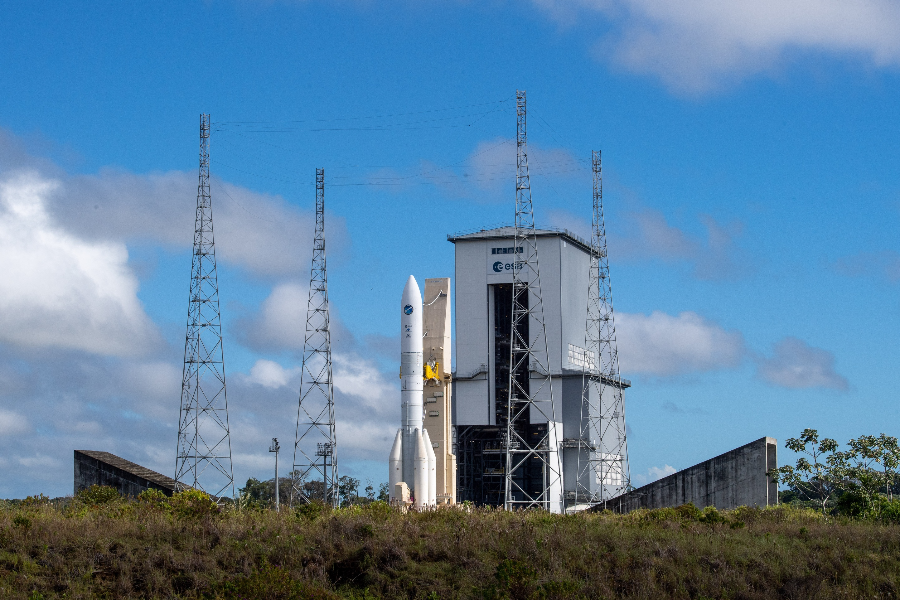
(273, 583)
(153, 497)
(711, 516)
(311, 510)
(98, 494)
(193, 504)
(688, 512)
(33, 502)
(22, 521)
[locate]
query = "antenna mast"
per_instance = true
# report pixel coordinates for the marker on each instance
(315, 445)
(603, 471)
(532, 474)
(203, 459)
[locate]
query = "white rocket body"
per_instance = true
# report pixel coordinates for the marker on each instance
(432, 469)
(411, 383)
(412, 458)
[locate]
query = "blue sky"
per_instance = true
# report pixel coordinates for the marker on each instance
(750, 185)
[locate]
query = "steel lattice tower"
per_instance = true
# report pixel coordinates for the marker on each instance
(203, 458)
(603, 452)
(315, 446)
(530, 386)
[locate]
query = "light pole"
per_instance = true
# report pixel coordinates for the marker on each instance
(275, 448)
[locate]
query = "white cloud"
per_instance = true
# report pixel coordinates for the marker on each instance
(653, 474)
(259, 232)
(697, 45)
(796, 364)
(12, 423)
(281, 321)
(270, 374)
(661, 344)
(59, 290)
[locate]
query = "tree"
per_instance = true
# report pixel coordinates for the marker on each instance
(816, 481)
(347, 489)
(383, 492)
(890, 462)
(868, 468)
(370, 491)
(257, 490)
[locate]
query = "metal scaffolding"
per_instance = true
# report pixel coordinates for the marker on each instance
(603, 471)
(203, 459)
(532, 471)
(315, 472)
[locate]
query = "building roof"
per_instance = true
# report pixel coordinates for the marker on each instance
(507, 232)
(130, 467)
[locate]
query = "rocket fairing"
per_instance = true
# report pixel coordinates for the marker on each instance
(410, 459)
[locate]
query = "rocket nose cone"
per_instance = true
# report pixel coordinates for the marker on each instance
(411, 294)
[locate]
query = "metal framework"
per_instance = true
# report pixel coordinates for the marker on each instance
(315, 445)
(203, 459)
(603, 471)
(530, 453)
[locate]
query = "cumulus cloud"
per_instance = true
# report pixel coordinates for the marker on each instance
(795, 364)
(270, 374)
(666, 345)
(280, 323)
(653, 474)
(698, 45)
(12, 423)
(59, 290)
(259, 232)
(647, 235)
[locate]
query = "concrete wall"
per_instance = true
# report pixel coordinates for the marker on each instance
(736, 478)
(102, 468)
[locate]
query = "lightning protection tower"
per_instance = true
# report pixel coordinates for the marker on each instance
(203, 459)
(603, 471)
(315, 471)
(532, 473)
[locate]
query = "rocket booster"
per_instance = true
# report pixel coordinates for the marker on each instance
(410, 459)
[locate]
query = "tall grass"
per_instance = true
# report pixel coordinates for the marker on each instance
(190, 548)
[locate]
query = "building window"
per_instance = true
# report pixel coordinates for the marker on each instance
(579, 358)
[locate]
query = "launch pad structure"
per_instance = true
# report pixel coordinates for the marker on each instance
(539, 404)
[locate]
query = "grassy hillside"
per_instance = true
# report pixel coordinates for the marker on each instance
(188, 548)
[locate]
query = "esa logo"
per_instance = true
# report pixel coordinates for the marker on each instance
(408, 309)
(500, 266)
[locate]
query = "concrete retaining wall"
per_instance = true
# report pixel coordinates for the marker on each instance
(736, 478)
(130, 479)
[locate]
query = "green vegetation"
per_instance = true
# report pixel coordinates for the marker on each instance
(99, 545)
(857, 482)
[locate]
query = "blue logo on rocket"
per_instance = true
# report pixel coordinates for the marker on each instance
(408, 309)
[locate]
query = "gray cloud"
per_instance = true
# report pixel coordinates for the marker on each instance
(882, 265)
(486, 173)
(696, 46)
(645, 234)
(795, 364)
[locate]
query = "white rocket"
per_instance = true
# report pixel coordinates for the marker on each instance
(412, 457)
